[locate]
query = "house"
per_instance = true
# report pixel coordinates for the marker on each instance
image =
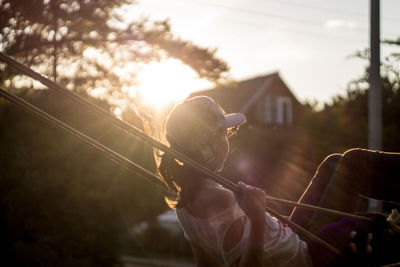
(265, 100)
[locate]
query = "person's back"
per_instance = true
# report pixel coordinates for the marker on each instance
(216, 223)
(223, 228)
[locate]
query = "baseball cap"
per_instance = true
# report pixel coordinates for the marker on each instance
(191, 122)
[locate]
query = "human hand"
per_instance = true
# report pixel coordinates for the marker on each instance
(252, 201)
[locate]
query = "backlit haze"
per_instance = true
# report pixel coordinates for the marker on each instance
(161, 83)
(308, 42)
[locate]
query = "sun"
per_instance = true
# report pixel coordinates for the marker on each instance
(163, 83)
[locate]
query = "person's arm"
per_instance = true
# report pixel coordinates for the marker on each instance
(202, 258)
(252, 202)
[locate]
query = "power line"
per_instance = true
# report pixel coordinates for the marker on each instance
(261, 13)
(287, 18)
(270, 14)
(300, 32)
(332, 10)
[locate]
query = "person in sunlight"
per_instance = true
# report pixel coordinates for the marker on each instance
(223, 228)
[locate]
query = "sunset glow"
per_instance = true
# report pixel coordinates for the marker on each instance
(165, 82)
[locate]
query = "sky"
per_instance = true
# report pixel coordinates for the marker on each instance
(307, 41)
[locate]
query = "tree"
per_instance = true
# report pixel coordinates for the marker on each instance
(61, 204)
(80, 43)
(390, 84)
(345, 119)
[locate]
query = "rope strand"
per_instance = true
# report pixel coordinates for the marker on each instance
(137, 133)
(147, 139)
(131, 165)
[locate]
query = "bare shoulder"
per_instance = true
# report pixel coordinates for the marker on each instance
(223, 196)
(213, 201)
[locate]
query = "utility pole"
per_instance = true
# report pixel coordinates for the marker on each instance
(55, 27)
(375, 92)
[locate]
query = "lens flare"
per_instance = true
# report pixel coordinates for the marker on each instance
(166, 82)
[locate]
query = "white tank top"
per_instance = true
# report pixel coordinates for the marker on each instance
(282, 247)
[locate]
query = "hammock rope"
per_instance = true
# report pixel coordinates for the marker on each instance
(137, 133)
(133, 131)
(119, 159)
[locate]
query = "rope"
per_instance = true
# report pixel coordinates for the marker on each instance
(137, 133)
(147, 139)
(126, 162)
(117, 158)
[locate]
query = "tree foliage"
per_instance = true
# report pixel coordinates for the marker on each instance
(81, 43)
(62, 204)
(345, 119)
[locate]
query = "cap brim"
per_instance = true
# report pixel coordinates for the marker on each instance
(234, 119)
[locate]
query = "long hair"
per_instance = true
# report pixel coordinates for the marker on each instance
(192, 141)
(181, 179)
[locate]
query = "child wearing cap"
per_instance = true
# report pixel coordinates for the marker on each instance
(223, 229)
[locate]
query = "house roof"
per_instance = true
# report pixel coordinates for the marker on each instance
(241, 96)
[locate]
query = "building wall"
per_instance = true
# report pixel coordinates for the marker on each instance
(277, 106)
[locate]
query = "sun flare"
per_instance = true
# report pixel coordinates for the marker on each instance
(166, 82)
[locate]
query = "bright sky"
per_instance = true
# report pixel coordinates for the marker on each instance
(307, 41)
